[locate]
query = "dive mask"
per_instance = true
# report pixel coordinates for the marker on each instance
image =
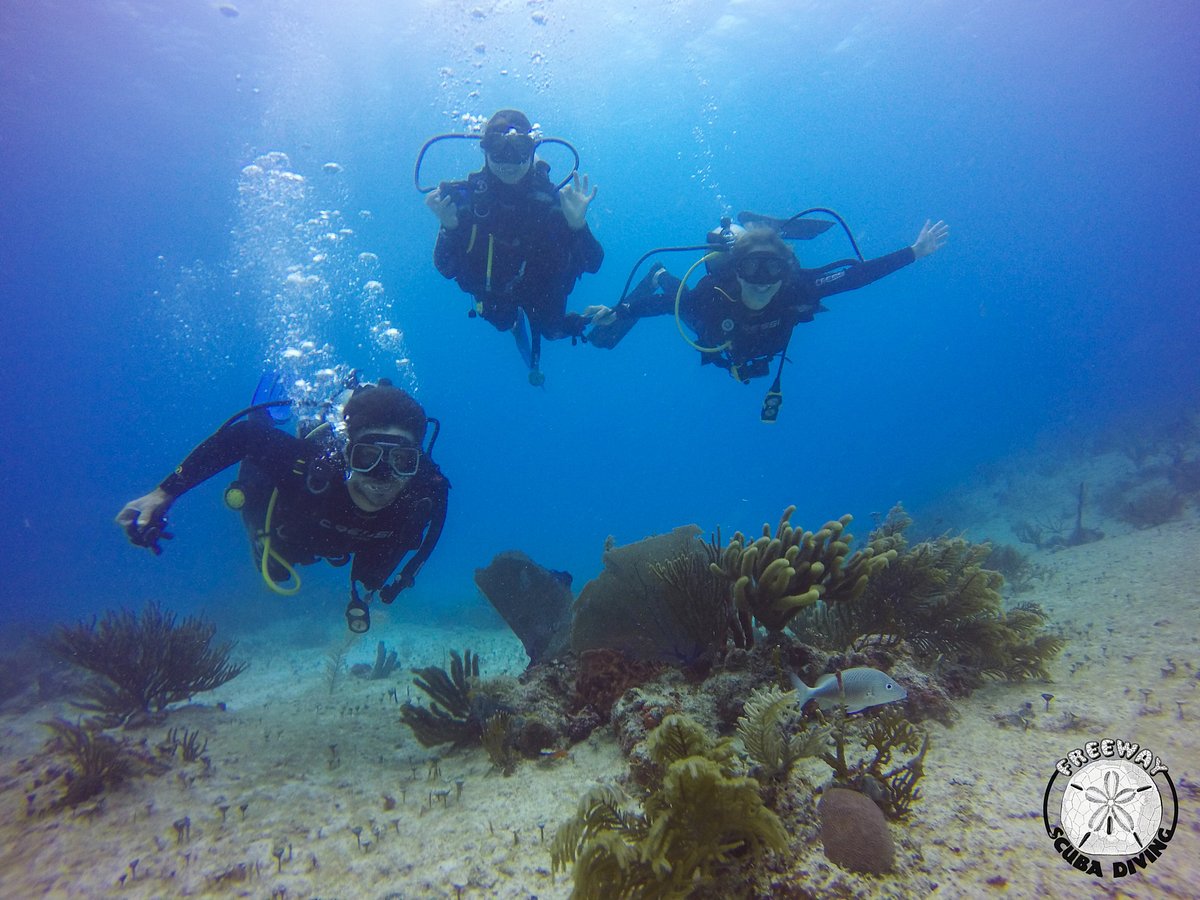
(384, 458)
(513, 147)
(762, 268)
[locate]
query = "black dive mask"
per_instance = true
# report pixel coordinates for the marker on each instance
(513, 147)
(762, 268)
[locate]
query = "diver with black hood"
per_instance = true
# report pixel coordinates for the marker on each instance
(366, 492)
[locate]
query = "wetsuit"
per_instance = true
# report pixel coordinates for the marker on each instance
(513, 249)
(714, 311)
(314, 516)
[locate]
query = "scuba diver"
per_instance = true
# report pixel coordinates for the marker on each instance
(754, 294)
(515, 240)
(365, 492)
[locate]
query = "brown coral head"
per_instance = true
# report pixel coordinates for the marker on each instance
(606, 674)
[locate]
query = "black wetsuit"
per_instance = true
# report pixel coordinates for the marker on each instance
(714, 311)
(314, 517)
(513, 249)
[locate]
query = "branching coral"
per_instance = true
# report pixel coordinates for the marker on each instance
(885, 735)
(146, 661)
(774, 578)
(97, 760)
(698, 819)
(449, 719)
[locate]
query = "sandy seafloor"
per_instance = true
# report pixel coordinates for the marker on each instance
(1128, 603)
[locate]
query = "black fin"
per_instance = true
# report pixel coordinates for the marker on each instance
(789, 229)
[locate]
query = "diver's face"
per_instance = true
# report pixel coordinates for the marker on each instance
(509, 172)
(374, 490)
(757, 296)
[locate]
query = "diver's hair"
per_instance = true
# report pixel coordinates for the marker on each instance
(760, 239)
(505, 120)
(382, 405)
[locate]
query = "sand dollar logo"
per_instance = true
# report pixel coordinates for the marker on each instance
(1110, 808)
(727, 325)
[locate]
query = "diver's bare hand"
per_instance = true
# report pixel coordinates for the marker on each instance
(442, 206)
(599, 314)
(144, 520)
(932, 238)
(574, 200)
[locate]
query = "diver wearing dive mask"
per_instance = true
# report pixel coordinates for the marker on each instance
(515, 241)
(744, 310)
(389, 508)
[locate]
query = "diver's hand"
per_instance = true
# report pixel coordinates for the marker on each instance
(599, 314)
(574, 200)
(389, 592)
(932, 237)
(442, 206)
(145, 520)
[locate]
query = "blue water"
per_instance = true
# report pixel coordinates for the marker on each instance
(1057, 139)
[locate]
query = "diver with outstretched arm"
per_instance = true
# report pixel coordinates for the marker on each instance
(368, 498)
(743, 311)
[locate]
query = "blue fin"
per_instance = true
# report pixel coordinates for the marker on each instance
(271, 388)
(521, 333)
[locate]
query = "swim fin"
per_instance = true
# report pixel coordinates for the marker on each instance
(789, 229)
(270, 389)
(520, 333)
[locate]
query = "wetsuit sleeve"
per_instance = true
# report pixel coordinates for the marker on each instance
(860, 274)
(268, 447)
(450, 247)
(643, 303)
(437, 522)
(373, 573)
(586, 252)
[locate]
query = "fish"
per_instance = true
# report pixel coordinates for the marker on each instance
(860, 688)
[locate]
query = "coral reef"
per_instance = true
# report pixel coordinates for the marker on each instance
(939, 599)
(652, 602)
(763, 733)
(98, 761)
(450, 718)
(882, 737)
(697, 821)
(1052, 535)
(603, 676)
(497, 737)
(145, 662)
(774, 578)
(533, 600)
